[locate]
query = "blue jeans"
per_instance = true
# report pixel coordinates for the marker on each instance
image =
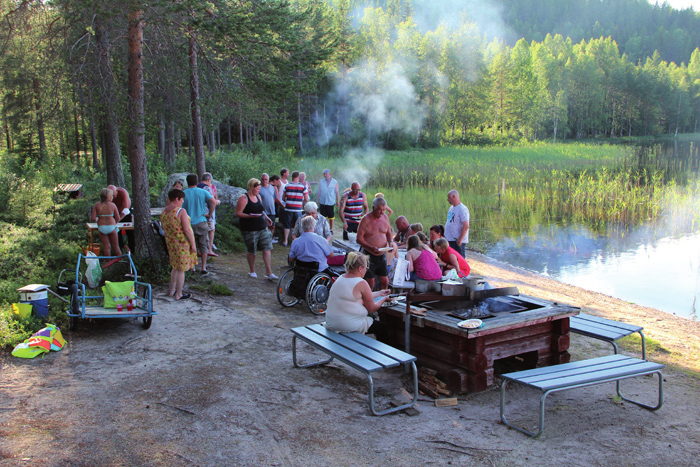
(461, 249)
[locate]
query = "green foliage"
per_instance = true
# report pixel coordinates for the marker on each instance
(227, 237)
(237, 167)
(600, 186)
(220, 289)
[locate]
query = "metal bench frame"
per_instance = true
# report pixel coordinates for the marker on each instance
(605, 329)
(358, 351)
(581, 374)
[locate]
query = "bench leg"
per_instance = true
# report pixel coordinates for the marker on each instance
(644, 346)
(308, 365)
(650, 407)
(372, 409)
(522, 430)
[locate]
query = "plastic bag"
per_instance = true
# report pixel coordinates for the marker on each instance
(452, 275)
(94, 271)
(402, 273)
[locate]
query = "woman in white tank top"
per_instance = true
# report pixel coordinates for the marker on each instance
(351, 301)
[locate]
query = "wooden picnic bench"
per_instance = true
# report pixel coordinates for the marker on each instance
(360, 352)
(581, 374)
(605, 329)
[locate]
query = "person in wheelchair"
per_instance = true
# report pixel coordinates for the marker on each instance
(309, 255)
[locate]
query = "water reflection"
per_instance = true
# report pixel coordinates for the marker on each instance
(639, 267)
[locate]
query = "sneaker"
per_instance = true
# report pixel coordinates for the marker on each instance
(253, 275)
(204, 273)
(272, 277)
(274, 240)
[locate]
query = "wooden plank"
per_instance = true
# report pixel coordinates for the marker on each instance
(353, 345)
(518, 346)
(579, 371)
(436, 349)
(446, 402)
(599, 375)
(590, 319)
(519, 333)
(554, 369)
(428, 389)
(340, 352)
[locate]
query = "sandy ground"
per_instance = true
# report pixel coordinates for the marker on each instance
(212, 384)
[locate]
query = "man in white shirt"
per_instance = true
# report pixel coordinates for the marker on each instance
(457, 226)
(328, 196)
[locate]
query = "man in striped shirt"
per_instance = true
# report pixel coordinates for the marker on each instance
(352, 207)
(293, 198)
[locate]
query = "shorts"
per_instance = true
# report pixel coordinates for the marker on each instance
(289, 218)
(201, 237)
(376, 267)
(352, 227)
(257, 240)
(327, 210)
(212, 221)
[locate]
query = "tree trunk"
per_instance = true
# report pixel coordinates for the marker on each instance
(111, 154)
(194, 105)
(228, 125)
(39, 119)
(136, 141)
(161, 138)
(8, 137)
(178, 141)
(77, 130)
(240, 125)
(169, 157)
(301, 141)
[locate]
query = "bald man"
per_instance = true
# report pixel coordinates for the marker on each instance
(402, 227)
(457, 226)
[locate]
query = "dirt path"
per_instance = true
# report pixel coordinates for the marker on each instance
(212, 384)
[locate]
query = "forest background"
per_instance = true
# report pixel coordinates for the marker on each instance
(125, 92)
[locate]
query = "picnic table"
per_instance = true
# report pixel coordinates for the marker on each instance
(92, 226)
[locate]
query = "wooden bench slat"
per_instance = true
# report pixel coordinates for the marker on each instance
(597, 331)
(338, 350)
(396, 354)
(556, 368)
(594, 374)
(349, 343)
(590, 319)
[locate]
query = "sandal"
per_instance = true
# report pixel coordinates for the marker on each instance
(185, 296)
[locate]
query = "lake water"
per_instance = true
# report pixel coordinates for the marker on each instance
(648, 266)
(642, 268)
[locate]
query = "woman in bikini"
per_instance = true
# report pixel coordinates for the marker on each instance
(106, 214)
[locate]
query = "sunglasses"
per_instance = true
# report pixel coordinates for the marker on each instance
(255, 185)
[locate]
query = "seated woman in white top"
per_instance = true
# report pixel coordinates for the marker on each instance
(351, 301)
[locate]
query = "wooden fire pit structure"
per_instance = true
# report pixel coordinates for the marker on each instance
(534, 331)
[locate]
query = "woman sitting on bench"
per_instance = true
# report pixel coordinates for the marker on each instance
(351, 301)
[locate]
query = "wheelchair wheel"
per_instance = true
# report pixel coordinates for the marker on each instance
(74, 307)
(317, 293)
(283, 295)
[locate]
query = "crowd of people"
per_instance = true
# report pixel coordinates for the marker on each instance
(307, 220)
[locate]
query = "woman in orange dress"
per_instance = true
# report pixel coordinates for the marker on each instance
(180, 241)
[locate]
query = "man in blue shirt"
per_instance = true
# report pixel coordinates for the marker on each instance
(310, 246)
(199, 204)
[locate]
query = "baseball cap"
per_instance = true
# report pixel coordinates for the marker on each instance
(326, 171)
